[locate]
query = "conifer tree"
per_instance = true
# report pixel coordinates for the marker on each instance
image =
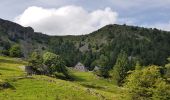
(120, 69)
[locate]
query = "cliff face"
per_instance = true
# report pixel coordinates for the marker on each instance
(12, 33)
(14, 30)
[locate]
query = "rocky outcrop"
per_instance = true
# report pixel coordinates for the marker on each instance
(13, 33)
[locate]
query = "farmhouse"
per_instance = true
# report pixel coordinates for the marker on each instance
(80, 67)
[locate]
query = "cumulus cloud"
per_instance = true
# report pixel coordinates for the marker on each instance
(67, 20)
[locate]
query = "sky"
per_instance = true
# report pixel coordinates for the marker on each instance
(77, 17)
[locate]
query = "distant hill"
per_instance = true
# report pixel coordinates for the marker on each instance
(149, 46)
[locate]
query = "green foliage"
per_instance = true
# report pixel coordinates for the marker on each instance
(50, 58)
(4, 52)
(147, 84)
(149, 46)
(35, 60)
(15, 51)
(138, 66)
(167, 73)
(55, 63)
(162, 90)
(121, 68)
(48, 64)
(168, 59)
(167, 66)
(88, 58)
(102, 63)
(65, 49)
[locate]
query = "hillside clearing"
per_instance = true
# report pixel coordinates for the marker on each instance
(86, 86)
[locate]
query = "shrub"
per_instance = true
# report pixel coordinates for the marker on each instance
(147, 84)
(35, 60)
(15, 51)
(55, 64)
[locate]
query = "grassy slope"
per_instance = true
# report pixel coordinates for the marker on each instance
(86, 87)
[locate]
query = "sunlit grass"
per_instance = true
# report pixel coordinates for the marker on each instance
(86, 86)
(9, 67)
(90, 80)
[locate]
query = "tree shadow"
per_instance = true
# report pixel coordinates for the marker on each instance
(92, 86)
(7, 69)
(8, 61)
(78, 79)
(6, 85)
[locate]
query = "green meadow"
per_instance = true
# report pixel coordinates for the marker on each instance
(86, 85)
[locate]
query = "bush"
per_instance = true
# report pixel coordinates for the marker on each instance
(35, 60)
(15, 51)
(147, 84)
(55, 64)
(48, 64)
(167, 71)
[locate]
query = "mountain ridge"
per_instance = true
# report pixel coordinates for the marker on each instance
(149, 46)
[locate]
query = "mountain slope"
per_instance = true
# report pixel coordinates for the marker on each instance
(12, 33)
(86, 86)
(149, 46)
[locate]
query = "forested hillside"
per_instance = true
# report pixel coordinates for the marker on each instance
(147, 46)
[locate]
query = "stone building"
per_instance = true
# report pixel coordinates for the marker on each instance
(80, 67)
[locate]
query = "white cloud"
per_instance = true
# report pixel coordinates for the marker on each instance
(68, 20)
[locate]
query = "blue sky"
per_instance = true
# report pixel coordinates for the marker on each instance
(80, 14)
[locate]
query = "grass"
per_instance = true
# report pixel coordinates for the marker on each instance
(87, 86)
(9, 68)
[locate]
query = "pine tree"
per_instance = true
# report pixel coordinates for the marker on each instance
(102, 63)
(120, 69)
